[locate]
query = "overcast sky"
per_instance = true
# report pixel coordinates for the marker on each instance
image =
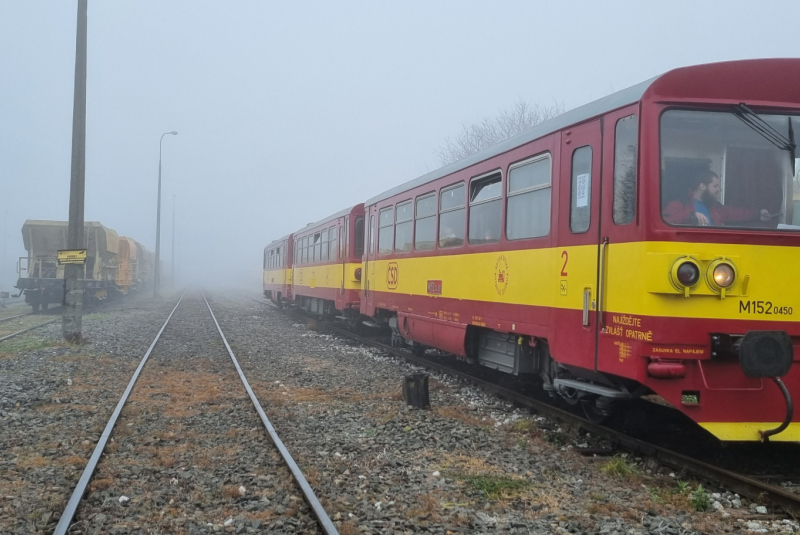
(288, 112)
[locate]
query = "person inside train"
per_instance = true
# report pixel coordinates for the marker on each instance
(702, 206)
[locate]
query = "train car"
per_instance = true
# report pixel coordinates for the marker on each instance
(278, 270)
(134, 261)
(41, 278)
(326, 265)
(643, 244)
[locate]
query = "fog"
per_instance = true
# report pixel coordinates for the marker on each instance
(288, 112)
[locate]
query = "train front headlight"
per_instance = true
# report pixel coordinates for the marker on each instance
(685, 274)
(688, 274)
(724, 275)
(720, 276)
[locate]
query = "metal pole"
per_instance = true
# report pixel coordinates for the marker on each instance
(157, 267)
(172, 278)
(73, 281)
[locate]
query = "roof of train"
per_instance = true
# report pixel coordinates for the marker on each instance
(577, 115)
(773, 78)
(337, 215)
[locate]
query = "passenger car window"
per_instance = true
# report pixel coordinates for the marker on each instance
(359, 235)
(580, 212)
(451, 217)
(626, 141)
(403, 227)
(370, 236)
(385, 233)
(485, 212)
(425, 227)
(332, 243)
(529, 193)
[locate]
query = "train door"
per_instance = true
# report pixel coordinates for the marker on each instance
(370, 252)
(575, 326)
(344, 253)
(618, 227)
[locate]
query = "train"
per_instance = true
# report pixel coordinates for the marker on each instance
(115, 265)
(644, 244)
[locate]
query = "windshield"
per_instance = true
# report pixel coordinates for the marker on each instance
(716, 170)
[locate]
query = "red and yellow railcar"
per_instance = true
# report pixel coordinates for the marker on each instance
(326, 265)
(278, 270)
(644, 243)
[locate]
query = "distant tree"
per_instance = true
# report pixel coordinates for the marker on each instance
(486, 132)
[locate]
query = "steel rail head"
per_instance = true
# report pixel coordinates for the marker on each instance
(322, 516)
(15, 317)
(746, 486)
(77, 494)
(12, 335)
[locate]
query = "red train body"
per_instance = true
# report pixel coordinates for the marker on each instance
(557, 252)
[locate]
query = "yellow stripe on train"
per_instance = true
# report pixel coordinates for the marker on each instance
(277, 276)
(749, 431)
(327, 276)
(637, 279)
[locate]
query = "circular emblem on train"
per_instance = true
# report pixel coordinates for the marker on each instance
(501, 275)
(391, 275)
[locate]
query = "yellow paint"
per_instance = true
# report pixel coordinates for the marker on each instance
(749, 431)
(277, 276)
(71, 256)
(637, 278)
(326, 276)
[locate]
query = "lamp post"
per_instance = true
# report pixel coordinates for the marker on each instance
(172, 264)
(157, 267)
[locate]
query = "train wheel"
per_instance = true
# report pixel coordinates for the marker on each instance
(595, 414)
(35, 307)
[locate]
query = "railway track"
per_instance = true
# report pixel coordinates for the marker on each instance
(750, 487)
(157, 415)
(3, 320)
(7, 335)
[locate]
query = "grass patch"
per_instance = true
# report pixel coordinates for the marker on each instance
(494, 487)
(458, 412)
(620, 467)
(27, 343)
(523, 426)
(700, 499)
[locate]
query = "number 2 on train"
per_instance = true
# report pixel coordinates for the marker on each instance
(565, 256)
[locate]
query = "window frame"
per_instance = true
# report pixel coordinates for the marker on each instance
(572, 176)
(509, 194)
(442, 191)
(390, 249)
(434, 215)
(614, 186)
(409, 220)
(471, 204)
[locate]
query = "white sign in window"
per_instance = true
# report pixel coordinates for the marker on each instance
(582, 190)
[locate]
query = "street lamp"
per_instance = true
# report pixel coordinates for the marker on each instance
(157, 267)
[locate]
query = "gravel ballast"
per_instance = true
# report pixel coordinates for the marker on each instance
(189, 454)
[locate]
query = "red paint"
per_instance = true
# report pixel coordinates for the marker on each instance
(641, 353)
(666, 370)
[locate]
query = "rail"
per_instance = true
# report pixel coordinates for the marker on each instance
(325, 522)
(86, 476)
(741, 484)
(23, 331)
(72, 506)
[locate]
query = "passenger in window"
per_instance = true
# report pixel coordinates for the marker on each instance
(702, 206)
(448, 238)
